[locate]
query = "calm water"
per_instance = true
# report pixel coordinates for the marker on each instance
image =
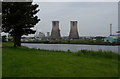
(71, 47)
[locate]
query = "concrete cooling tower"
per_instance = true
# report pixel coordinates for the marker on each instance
(55, 34)
(73, 30)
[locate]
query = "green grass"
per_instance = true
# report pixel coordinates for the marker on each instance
(0, 58)
(25, 62)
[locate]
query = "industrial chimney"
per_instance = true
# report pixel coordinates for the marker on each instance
(55, 34)
(110, 29)
(73, 30)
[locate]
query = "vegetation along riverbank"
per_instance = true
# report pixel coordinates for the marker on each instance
(88, 42)
(26, 62)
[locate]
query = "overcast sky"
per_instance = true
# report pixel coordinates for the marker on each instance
(93, 18)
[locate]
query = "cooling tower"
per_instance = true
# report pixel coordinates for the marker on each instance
(55, 34)
(73, 30)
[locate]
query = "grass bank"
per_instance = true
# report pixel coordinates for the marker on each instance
(25, 62)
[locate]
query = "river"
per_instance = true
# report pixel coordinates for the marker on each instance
(71, 47)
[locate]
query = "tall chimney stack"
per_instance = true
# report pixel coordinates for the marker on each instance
(110, 29)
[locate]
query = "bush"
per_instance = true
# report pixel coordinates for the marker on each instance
(100, 53)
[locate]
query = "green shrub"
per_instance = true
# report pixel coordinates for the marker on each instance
(100, 53)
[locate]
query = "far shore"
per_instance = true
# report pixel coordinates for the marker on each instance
(105, 44)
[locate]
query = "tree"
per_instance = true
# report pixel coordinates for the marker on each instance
(4, 38)
(18, 18)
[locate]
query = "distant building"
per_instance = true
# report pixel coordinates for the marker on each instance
(26, 39)
(41, 36)
(48, 34)
(87, 38)
(111, 39)
(65, 38)
(118, 36)
(48, 37)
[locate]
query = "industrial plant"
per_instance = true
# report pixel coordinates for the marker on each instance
(73, 34)
(73, 30)
(55, 34)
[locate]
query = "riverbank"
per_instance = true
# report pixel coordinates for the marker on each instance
(82, 42)
(26, 62)
(71, 47)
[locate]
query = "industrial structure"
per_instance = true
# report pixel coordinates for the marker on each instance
(110, 29)
(112, 37)
(55, 34)
(73, 30)
(40, 36)
(48, 34)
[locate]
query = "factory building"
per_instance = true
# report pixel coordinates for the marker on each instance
(48, 34)
(111, 39)
(73, 30)
(41, 36)
(55, 34)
